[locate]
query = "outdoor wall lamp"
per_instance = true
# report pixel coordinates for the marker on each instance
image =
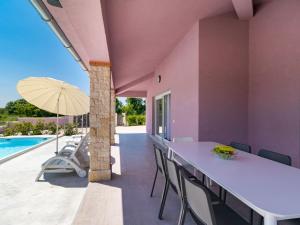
(159, 78)
(55, 3)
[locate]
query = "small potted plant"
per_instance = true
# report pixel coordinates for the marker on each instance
(224, 152)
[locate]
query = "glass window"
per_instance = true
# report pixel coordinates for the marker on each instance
(162, 116)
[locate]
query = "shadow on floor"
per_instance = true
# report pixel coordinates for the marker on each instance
(67, 180)
(125, 200)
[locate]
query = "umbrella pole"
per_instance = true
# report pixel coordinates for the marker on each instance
(86, 123)
(81, 125)
(56, 152)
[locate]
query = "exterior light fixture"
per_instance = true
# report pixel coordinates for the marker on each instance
(55, 3)
(158, 78)
(42, 10)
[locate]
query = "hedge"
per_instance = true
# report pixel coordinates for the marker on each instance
(134, 120)
(27, 128)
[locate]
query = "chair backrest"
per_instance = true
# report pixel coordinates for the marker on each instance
(81, 152)
(240, 146)
(275, 156)
(197, 197)
(159, 159)
(183, 139)
(83, 141)
(161, 144)
(172, 171)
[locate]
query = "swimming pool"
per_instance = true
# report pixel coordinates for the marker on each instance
(17, 145)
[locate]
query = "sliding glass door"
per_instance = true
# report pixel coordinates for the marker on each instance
(162, 115)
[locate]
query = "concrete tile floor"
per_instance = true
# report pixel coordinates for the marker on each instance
(54, 201)
(122, 201)
(125, 199)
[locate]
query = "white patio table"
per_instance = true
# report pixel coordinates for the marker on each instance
(270, 188)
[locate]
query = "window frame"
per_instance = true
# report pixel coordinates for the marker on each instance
(162, 97)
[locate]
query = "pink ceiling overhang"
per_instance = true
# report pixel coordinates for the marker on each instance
(133, 94)
(135, 35)
(82, 22)
(134, 83)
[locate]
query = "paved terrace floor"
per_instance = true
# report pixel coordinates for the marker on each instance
(125, 199)
(24, 201)
(122, 201)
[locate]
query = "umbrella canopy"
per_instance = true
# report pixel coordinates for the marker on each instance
(54, 96)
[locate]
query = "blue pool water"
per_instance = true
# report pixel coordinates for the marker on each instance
(10, 146)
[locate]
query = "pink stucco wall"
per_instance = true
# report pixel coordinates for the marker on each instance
(179, 72)
(274, 98)
(207, 74)
(223, 79)
(237, 80)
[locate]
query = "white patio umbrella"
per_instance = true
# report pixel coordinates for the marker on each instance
(54, 96)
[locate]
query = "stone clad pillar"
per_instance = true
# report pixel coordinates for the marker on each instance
(112, 116)
(100, 121)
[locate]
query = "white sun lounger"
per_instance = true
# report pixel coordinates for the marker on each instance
(59, 164)
(70, 150)
(76, 139)
(65, 161)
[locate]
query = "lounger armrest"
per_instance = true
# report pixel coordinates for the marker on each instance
(68, 146)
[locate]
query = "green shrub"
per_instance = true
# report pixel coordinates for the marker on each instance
(38, 128)
(51, 127)
(70, 129)
(23, 128)
(134, 120)
(9, 131)
(141, 119)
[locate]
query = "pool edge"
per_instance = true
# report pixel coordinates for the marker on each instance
(5, 159)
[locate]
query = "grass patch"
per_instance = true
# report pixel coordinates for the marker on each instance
(5, 118)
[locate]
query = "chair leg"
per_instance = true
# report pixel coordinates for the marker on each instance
(261, 220)
(163, 200)
(220, 192)
(251, 216)
(203, 179)
(39, 175)
(182, 214)
(225, 196)
(153, 185)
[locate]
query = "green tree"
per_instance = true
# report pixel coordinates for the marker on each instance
(135, 106)
(2, 111)
(119, 106)
(23, 108)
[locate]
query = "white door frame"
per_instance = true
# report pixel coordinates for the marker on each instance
(158, 97)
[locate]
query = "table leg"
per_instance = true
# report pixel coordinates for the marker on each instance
(195, 172)
(169, 153)
(270, 220)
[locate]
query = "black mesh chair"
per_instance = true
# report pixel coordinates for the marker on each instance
(241, 147)
(277, 157)
(197, 201)
(222, 192)
(173, 181)
(160, 165)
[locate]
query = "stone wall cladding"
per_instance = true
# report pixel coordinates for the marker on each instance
(100, 123)
(112, 116)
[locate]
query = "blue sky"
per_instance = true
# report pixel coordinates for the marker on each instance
(28, 47)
